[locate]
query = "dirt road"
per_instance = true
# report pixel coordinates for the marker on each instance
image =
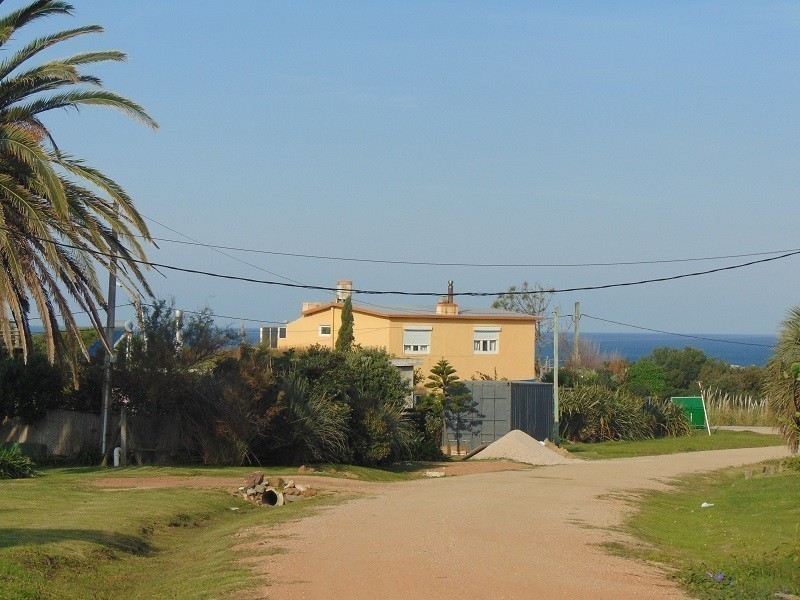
(516, 534)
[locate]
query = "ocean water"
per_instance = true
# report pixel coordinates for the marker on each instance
(743, 350)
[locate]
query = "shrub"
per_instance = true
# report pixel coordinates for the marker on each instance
(379, 429)
(27, 389)
(426, 435)
(14, 464)
(645, 378)
(666, 419)
(317, 425)
(793, 462)
(596, 414)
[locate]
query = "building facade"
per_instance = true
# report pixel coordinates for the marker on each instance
(477, 342)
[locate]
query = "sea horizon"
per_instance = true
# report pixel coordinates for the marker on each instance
(734, 348)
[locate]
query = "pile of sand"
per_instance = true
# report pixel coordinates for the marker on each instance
(518, 445)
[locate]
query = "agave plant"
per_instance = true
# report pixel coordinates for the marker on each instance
(59, 217)
(318, 425)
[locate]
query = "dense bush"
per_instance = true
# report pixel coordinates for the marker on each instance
(426, 435)
(645, 378)
(246, 405)
(665, 418)
(14, 464)
(27, 390)
(732, 380)
(238, 404)
(682, 369)
(596, 413)
(379, 429)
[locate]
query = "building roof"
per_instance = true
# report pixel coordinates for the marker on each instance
(425, 311)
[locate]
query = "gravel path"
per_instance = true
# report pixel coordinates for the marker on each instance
(519, 534)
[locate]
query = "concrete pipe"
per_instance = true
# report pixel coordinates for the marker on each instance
(272, 497)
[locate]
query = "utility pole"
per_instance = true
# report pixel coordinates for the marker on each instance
(179, 328)
(109, 358)
(123, 411)
(137, 303)
(556, 432)
(576, 340)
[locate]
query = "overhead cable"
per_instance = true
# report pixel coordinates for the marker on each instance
(458, 264)
(216, 249)
(435, 294)
(684, 335)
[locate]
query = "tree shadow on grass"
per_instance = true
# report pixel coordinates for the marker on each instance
(129, 544)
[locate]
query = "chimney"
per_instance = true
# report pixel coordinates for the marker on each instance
(343, 290)
(311, 306)
(447, 306)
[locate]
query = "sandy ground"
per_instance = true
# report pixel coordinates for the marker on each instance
(500, 530)
(753, 428)
(531, 533)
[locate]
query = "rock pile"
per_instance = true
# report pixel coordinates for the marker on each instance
(518, 445)
(272, 491)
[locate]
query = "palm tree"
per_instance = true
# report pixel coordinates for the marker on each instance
(59, 217)
(781, 383)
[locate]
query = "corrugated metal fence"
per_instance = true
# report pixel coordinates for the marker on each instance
(505, 406)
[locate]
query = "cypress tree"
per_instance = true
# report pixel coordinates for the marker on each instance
(344, 341)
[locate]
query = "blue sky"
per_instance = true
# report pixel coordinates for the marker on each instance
(485, 132)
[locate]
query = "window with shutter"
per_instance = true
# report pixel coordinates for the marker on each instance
(486, 340)
(417, 340)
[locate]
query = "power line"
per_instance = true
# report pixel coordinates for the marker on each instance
(81, 312)
(684, 335)
(468, 294)
(246, 319)
(406, 293)
(216, 249)
(457, 264)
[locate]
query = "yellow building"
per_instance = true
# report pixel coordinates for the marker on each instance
(475, 341)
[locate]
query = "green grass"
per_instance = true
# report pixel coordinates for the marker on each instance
(751, 536)
(699, 440)
(62, 538)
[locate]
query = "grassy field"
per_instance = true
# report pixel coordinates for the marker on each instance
(62, 538)
(746, 546)
(699, 440)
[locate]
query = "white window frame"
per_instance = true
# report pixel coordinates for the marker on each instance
(417, 342)
(486, 340)
(323, 334)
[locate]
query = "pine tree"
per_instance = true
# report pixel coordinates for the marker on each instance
(345, 338)
(441, 381)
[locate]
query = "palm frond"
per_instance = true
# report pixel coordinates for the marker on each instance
(75, 100)
(35, 47)
(28, 14)
(54, 230)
